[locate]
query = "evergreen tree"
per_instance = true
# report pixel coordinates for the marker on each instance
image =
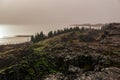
(32, 39)
(50, 34)
(38, 37)
(58, 32)
(65, 30)
(41, 36)
(55, 33)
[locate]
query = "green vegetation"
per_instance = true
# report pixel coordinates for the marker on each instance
(38, 37)
(41, 36)
(53, 54)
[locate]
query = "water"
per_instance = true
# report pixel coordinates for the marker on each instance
(14, 40)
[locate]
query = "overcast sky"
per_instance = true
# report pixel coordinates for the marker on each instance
(58, 11)
(36, 12)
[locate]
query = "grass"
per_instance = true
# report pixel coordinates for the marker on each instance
(44, 59)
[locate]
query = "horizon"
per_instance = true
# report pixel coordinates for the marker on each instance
(59, 39)
(26, 17)
(41, 30)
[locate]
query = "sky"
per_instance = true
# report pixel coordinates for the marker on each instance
(30, 16)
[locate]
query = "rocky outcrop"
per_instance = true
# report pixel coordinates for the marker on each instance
(67, 58)
(91, 66)
(111, 34)
(111, 73)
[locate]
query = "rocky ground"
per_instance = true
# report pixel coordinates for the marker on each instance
(67, 57)
(104, 57)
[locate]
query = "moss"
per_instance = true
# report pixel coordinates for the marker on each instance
(49, 57)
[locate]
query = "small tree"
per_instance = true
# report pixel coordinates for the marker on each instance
(50, 34)
(41, 36)
(32, 39)
(38, 37)
(55, 33)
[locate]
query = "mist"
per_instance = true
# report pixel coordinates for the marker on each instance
(21, 15)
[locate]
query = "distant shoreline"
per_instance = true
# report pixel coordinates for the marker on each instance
(14, 40)
(23, 35)
(16, 36)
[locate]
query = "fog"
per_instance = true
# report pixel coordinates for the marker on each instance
(55, 12)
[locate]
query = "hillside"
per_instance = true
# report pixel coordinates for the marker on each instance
(75, 55)
(112, 34)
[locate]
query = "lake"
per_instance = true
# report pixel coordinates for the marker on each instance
(14, 40)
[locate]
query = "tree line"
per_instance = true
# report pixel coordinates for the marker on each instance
(41, 36)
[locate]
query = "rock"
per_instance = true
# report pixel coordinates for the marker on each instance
(73, 69)
(58, 76)
(111, 34)
(111, 73)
